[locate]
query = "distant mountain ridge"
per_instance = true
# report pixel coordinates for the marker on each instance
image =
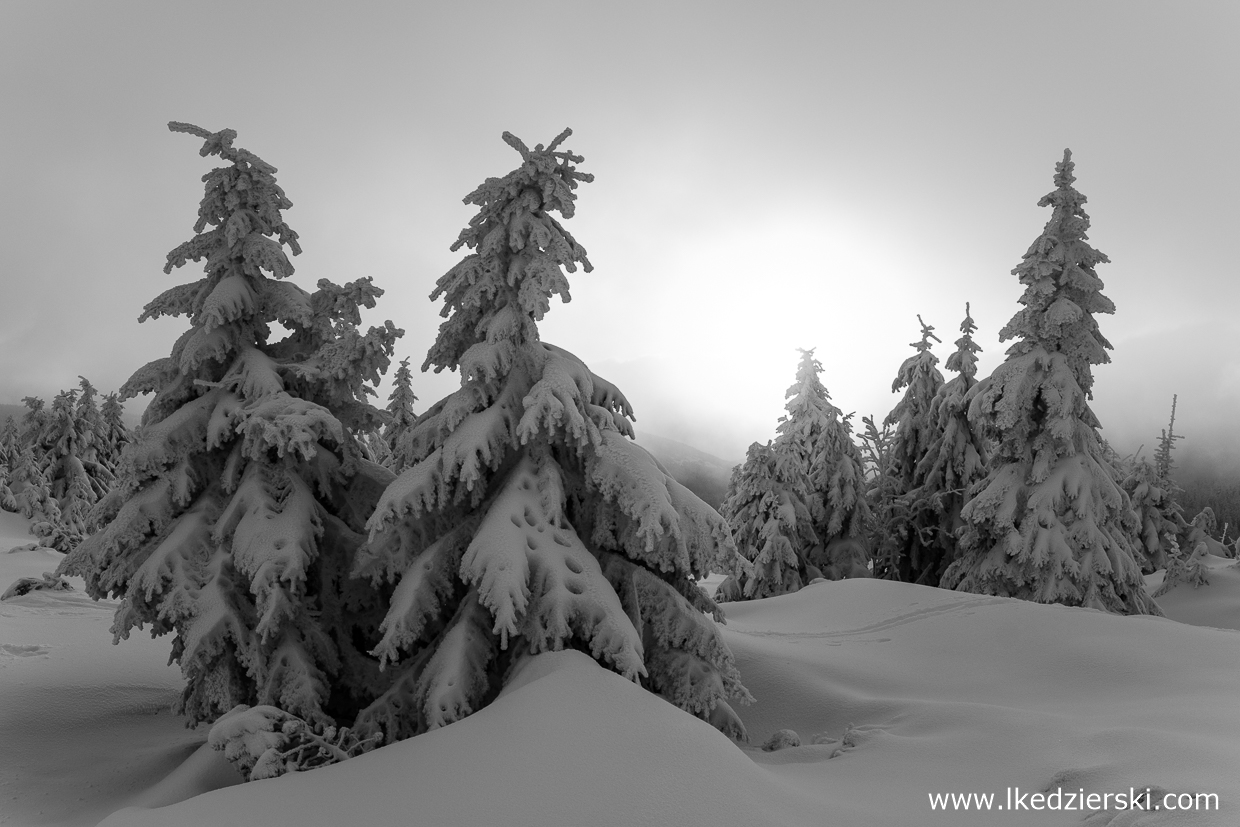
(15, 411)
(702, 473)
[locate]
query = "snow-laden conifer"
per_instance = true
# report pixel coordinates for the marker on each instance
(10, 448)
(114, 433)
(768, 506)
(797, 506)
(89, 415)
(239, 507)
(902, 551)
(1158, 514)
(1183, 567)
(34, 491)
(1163, 462)
(819, 438)
(1200, 531)
(34, 420)
(401, 415)
(526, 520)
(8, 500)
(888, 519)
(953, 460)
(71, 457)
(10, 441)
(1050, 523)
(913, 427)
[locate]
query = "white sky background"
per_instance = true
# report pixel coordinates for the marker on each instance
(769, 176)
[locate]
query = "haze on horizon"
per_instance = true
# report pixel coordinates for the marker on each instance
(768, 178)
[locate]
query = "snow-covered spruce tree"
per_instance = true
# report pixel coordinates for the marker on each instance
(70, 436)
(819, 439)
(1158, 515)
(526, 520)
(887, 523)
(954, 459)
(34, 499)
(10, 441)
(914, 429)
(768, 509)
(240, 506)
(115, 434)
(8, 500)
(62, 452)
(10, 447)
(1187, 568)
(1163, 463)
(89, 415)
(400, 413)
(1049, 522)
(34, 420)
(1199, 532)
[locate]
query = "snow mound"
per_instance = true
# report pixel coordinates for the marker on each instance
(573, 744)
(1215, 604)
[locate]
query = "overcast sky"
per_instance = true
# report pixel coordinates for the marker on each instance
(768, 176)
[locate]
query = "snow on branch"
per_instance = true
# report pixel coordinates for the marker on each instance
(539, 580)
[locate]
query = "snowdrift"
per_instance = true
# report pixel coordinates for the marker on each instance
(908, 691)
(1216, 603)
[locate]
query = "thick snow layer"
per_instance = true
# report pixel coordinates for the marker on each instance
(896, 691)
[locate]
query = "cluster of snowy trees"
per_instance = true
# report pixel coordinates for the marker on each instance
(56, 464)
(1000, 486)
(337, 576)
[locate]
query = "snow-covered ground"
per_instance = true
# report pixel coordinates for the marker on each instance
(908, 691)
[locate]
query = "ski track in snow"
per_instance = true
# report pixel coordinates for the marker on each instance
(965, 604)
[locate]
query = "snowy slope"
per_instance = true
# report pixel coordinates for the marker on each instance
(84, 726)
(1216, 603)
(944, 692)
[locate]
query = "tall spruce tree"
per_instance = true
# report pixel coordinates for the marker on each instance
(34, 495)
(10, 448)
(1158, 515)
(400, 413)
(115, 434)
(91, 417)
(75, 477)
(953, 460)
(70, 454)
(241, 504)
(34, 421)
(10, 441)
(903, 551)
(1050, 523)
(8, 500)
(818, 437)
(1163, 462)
(526, 520)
